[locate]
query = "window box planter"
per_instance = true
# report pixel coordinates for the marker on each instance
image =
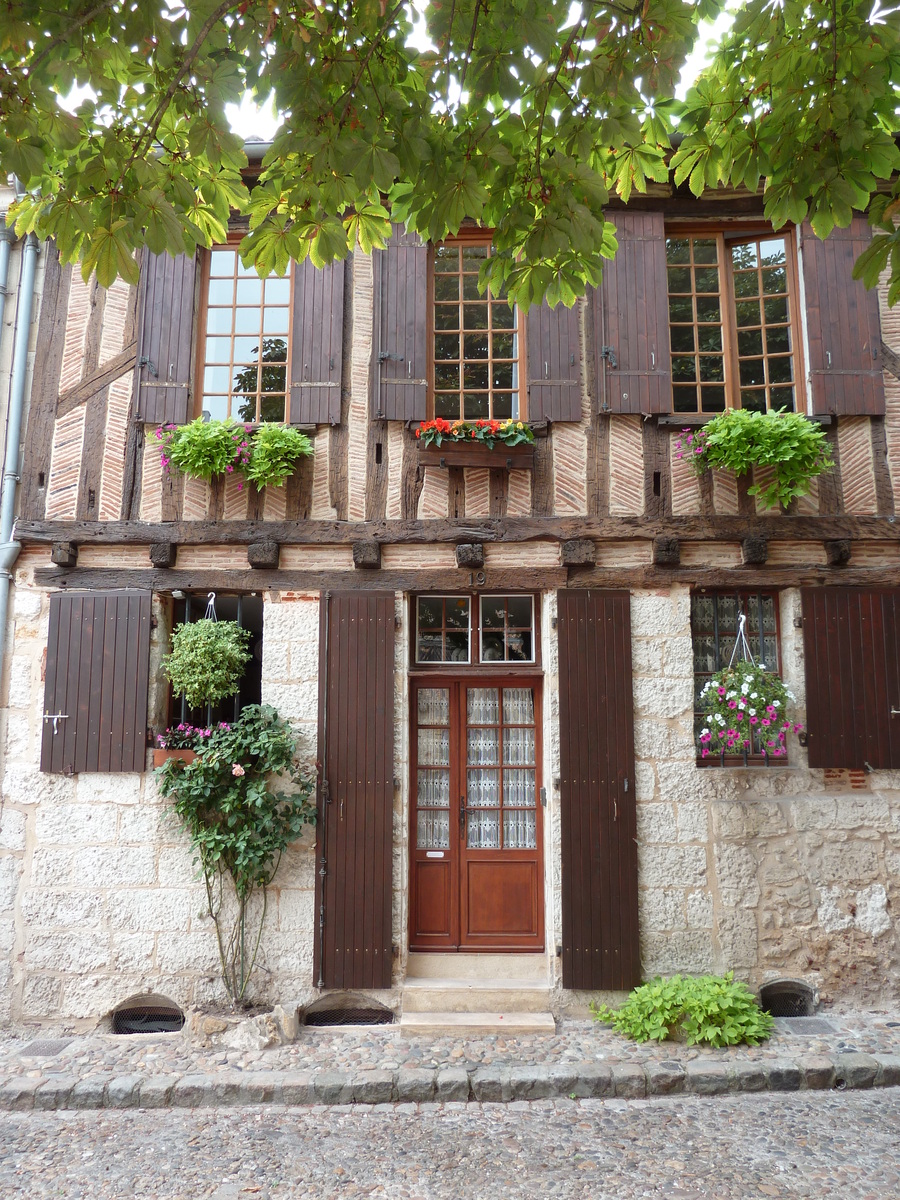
(161, 757)
(459, 454)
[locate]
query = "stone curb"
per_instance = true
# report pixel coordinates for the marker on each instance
(490, 1084)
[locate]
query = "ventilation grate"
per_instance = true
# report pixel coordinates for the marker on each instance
(349, 1016)
(787, 998)
(45, 1049)
(147, 1020)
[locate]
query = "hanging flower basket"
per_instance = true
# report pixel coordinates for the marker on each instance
(745, 707)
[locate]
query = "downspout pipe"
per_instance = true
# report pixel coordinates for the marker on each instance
(9, 547)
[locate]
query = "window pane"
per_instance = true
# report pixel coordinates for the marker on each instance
(249, 291)
(434, 747)
(747, 312)
(475, 316)
(502, 375)
(277, 291)
(778, 340)
(475, 376)
(518, 747)
(470, 287)
(746, 283)
(520, 610)
(457, 647)
(681, 338)
(457, 612)
(246, 320)
(678, 250)
(221, 262)
(502, 316)
(680, 279)
(752, 372)
(446, 404)
(684, 369)
(518, 706)
(710, 338)
(476, 345)
(706, 280)
(446, 258)
(781, 370)
(750, 342)
(483, 747)
(504, 405)
(493, 647)
(433, 706)
(483, 787)
(705, 250)
(753, 399)
(476, 405)
(430, 613)
(776, 311)
(519, 830)
(518, 789)
(446, 316)
(713, 398)
(433, 830)
(482, 706)
(276, 320)
(446, 375)
(684, 399)
(215, 407)
(446, 287)
(772, 252)
(708, 308)
(681, 308)
(503, 345)
(221, 291)
(775, 280)
(483, 830)
(711, 368)
(218, 320)
(446, 345)
(216, 379)
(744, 255)
(433, 789)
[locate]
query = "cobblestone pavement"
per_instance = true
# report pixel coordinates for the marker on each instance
(385, 1048)
(829, 1146)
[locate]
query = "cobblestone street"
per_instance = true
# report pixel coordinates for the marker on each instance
(831, 1146)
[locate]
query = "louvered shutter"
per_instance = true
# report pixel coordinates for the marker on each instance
(95, 692)
(317, 332)
(401, 328)
(554, 363)
(600, 947)
(355, 827)
(851, 647)
(166, 332)
(843, 324)
(630, 325)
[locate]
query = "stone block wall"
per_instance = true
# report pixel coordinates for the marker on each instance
(769, 871)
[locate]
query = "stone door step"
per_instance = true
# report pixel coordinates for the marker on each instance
(525, 967)
(462, 996)
(477, 1022)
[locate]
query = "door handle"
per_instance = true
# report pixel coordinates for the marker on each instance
(895, 712)
(462, 816)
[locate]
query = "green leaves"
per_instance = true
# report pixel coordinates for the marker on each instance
(207, 660)
(519, 121)
(708, 1009)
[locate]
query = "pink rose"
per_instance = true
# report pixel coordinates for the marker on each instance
(237, 769)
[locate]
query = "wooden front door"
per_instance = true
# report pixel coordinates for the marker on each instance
(476, 829)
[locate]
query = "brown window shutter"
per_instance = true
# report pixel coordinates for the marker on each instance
(553, 338)
(851, 644)
(316, 344)
(843, 324)
(633, 368)
(600, 946)
(401, 328)
(162, 381)
(95, 692)
(355, 828)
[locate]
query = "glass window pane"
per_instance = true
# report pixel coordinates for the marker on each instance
(434, 747)
(244, 407)
(433, 706)
(246, 320)
(776, 311)
(276, 320)
(482, 706)
(433, 830)
(743, 255)
(493, 647)
(754, 399)
(475, 316)
(493, 612)
(215, 407)
(713, 398)
(273, 378)
(778, 339)
(681, 308)
(502, 375)
(518, 789)
(502, 316)
(277, 291)
(446, 375)
(457, 647)
(218, 320)
(684, 369)
(774, 280)
(218, 350)
(476, 405)
(712, 368)
(519, 646)
(221, 261)
(430, 647)
(446, 258)
(446, 404)
(221, 291)
(518, 706)
(216, 379)
(503, 345)
(680, 279)
(705, 250)
(503, 405)
(246, 349)
(746, 284)
(772, 252)
(457, 608)
(709, 338)
(446, 316)
(708, 308)
(433, 790)
(781, 370)
(483, 788)
(750, 342)
(446, 287)
(470, 287)
(518, 747)
(747, 312)
(473, 257)
(706, 279)
(483, 830)
(519, 830)
(681, 338)
(684, 399)
(249, 291)
(752, 372)
(483, 747)
(446, 345)
(678, 250)
(475, 345)
(520, 609)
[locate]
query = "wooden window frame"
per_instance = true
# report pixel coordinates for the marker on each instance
(230, 708)
(474, 666)
(232, 241)
(741, 594)
(730, 356)
(473, 237)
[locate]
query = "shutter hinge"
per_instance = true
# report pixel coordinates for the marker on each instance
(144, 361)
(609, 353)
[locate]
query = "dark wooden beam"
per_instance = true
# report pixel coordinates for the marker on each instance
(435, 532)
(521, 579)
(426, 580)
(98, 380)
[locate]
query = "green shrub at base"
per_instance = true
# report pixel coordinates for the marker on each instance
(710, 1009)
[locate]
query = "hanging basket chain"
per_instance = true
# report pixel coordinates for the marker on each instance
(210, 614)
(741, 643)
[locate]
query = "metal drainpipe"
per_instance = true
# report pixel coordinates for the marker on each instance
(9, 548)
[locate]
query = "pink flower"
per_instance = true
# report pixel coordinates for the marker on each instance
(237, 769)
(229, 468)
(753, 720)
(732, 704)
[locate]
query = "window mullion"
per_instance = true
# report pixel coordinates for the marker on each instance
(729, 327)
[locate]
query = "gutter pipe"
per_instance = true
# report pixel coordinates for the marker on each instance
(9, 547)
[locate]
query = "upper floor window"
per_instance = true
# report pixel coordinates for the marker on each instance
(476, 340)
(244, 341)
(733, 321)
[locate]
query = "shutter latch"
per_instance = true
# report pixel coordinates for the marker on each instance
(609, 353)
(386, 356)
(144, 361)
(56, 718)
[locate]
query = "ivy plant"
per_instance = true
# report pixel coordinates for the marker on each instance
(737, 440)
(714, 1010)
(243, 800)
(207, 660)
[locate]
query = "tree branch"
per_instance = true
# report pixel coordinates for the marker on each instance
(376, 42)
(64, 37)
(462, 77)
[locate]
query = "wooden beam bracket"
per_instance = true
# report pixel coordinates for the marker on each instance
(163, 554)
(263, 555)
(577, 552)
(666, 552)
(754, 550)
(64, 554)
(837, 552)
(470, 555)
(367, 556)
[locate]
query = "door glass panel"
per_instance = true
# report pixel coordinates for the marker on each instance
(518, 706)
(483, 787)
(483, 829)
(518, 789)
(483, 706)
(434, 789)
(434, 747)
(518, 747)
(519, 831)
(483, 746)
(434, 706)
(433, 829)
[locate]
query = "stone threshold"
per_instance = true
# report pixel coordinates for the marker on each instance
(629, 1081)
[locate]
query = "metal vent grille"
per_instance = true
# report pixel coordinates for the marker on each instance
(147, 1019)
(349, 1016)
(787, 998)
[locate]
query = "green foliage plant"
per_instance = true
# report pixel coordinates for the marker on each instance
(265, 456)
(736, 440)
(526, 119)
(712, 1010)
(275, 451)
(243, 800)
(204, 449)
(207, 660)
